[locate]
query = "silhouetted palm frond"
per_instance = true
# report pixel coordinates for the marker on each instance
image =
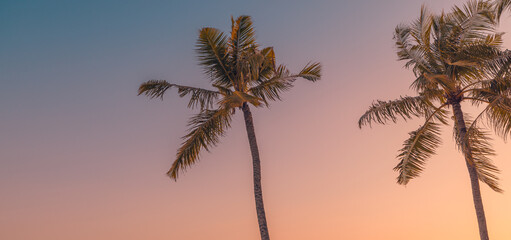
(416, 150)
(212, 50)
(384, 111)
(199, 97)
(204, 131)
(478, 151)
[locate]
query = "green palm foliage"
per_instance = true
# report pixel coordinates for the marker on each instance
(241, 74)
(456, 58)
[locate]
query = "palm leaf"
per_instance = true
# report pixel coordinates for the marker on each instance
(416, 150)
(500, 68)
(282, 80)
(241, 41)
(476, 53)
(441, 79)
(259, 66)
(475, 20)
(199, 97)
(267, 68)
(477, 150)
(205, 129)
(407, 50)
(383, 111)
(269, 56)
(242, 35)
(498, 110)
(271, 89)
(500, 6)
(311, 72)
(213, 55)
(498, 116)
(423, 31)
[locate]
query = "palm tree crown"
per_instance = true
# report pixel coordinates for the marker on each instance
(240, 73)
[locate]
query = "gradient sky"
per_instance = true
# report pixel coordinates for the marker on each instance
(83, 157)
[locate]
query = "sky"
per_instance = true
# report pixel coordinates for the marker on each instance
(83, 157)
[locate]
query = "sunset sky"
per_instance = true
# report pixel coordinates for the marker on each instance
(82, 157)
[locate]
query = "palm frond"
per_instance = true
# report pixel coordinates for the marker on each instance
(282, 80)
(477, 150)
(500, 68)
(498, 109)
(213, 56)
(205, 129)
(494, 39)
(267, 67)
(500, 6)
(416, 150)
(422, 84)
(269, 56)
(311, 72)
(475, 20)
(423, 32)
(271, 89)
(478, 52)
(242, 34)
(442, 80)
(199, 97)
(242, 39)
(383, 111)
(498, 116)
(258, 65)
(407, 50)
(255, 66)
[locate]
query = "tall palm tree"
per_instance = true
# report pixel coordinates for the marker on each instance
(241, 74)
(456, 58)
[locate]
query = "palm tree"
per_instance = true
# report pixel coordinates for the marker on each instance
(241, 75)
(456, 58)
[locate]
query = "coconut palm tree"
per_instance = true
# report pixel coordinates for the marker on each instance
(456, 59)
(241, 74)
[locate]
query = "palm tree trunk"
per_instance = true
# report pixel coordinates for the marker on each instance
(476, 192)
(256, 163)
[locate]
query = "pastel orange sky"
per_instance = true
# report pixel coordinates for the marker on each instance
(83, 157)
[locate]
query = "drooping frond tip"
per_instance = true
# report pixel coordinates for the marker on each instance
(204, 131)
(500, 6)
(311, 72)
(203, 98)
(416, 150)
(383, 111)
(478, 152)
(498, 110)
(154, 88)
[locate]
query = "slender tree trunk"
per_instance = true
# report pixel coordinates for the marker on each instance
(476, 192)
(256, 163)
